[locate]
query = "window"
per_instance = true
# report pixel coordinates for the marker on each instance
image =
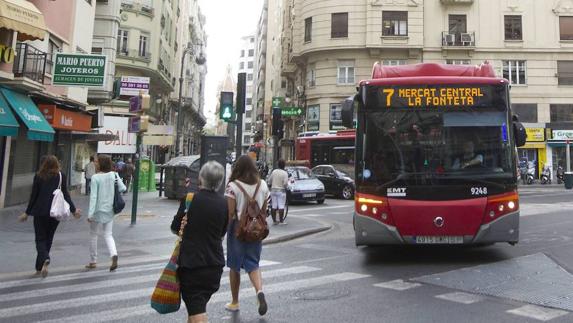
(143, 43)
(248, 114)
(283, 84)
(249, 77)
(395, 23)
(247, 139)
(102, 1)
(514, 71)
(89, 1)
(339, 25)
(565, 72)
(308, 29)
(97, 50)
(242, 53)
(122, 37)
(513, 28)
(336, 117)
(394, 62)
(526, 112)
(252, 39)
(566, 28)
(251, 52)
(249, 101)
(250, 64)
(311, 75)
(313, 118)
(247, 126)
(345, 72)
(561, 112)
(458, 61)
(241, 65)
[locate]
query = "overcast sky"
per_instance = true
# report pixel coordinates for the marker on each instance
(227, 22)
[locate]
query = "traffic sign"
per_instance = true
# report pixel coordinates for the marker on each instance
(292, 111)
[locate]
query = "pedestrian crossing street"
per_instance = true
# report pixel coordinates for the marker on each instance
(101, 296)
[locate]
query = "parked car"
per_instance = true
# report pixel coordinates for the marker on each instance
(304, 186)
(335, 182)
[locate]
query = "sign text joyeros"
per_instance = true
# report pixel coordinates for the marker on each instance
(139, 104)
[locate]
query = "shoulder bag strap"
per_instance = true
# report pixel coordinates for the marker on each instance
(60, 183)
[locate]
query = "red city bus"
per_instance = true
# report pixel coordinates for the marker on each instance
(328, 149)
(435, 156)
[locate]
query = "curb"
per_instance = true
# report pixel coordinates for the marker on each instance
(296, 235)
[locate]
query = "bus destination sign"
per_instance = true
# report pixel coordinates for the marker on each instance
(436, 96)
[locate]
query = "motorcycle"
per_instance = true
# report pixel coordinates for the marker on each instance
(559, 174)
(530, 177)
(546, 175)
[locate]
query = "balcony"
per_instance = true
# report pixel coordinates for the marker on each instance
(29, 62)
(463, 40)
(134, 54)
(457, 2)
(138, 6)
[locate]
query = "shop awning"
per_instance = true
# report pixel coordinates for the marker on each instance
(22, 16)
(38, 128)
(8, 123)
(559, 144)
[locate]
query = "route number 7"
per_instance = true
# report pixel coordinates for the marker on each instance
(389, 94)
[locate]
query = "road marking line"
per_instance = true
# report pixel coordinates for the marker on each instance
(538, 312)
(133, 280)
(309, 215)
(123, 313)
(100, 273)
(460, 297)
(319, 208)
(398, 284)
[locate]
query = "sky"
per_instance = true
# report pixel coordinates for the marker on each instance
(227, 21)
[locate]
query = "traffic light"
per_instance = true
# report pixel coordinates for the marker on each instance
(226, 112)
(278, 123)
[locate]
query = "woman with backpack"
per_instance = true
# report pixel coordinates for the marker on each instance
(244, 184)
(46, 181)
(101, 212)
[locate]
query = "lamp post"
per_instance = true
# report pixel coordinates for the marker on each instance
(200, 60)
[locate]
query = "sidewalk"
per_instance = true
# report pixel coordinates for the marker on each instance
(150, 238)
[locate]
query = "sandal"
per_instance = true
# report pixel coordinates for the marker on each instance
(262, 303)
(232, 307)
(91, 265)
(44, 271)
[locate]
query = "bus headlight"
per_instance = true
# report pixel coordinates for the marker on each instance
(511, 205)
(364, 208)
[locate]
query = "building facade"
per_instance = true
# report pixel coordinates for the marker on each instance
(246, 65)
(329, 46)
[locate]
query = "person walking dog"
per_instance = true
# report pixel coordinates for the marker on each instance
(244, 181)
(101, 213)
(46, 181)
(203, 219)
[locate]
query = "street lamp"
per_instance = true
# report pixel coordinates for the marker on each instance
(200, 60)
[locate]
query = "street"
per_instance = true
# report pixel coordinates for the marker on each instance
(325, 278)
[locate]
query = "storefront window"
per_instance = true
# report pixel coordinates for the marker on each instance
(561, 112)
(313, 118)
(23, 165)
(559, 158)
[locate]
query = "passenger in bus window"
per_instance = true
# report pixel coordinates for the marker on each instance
(469, 158)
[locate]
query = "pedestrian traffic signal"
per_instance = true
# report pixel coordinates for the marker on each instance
(226, 112)
(278, 123)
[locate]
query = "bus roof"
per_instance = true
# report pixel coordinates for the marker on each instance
(341, 134)
(433, 73)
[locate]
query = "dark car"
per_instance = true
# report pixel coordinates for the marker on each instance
(335, 182)
(303, 185)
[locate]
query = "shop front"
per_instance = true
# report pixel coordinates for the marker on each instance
(70, 146)
(25, 147)
(535, 149)
(123, 146)
(559, 141)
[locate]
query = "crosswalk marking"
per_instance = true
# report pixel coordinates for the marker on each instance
(538, 312)
(398, 285)
(220, 297)
(460, 297)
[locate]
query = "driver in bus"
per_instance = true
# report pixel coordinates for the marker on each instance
(469, 158)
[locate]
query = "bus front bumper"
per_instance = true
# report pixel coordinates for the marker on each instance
(371, 232)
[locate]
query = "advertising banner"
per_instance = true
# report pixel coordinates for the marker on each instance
(133, 85)
(79, 70)
(125, 144)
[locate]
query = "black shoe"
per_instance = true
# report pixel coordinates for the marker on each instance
(113, 263)
(262, 303)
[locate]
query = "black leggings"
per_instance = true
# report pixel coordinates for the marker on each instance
(45, 228)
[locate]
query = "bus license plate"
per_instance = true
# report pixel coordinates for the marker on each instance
(308, 195)
(440, 239)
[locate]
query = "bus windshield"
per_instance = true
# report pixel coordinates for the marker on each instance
(432, 146)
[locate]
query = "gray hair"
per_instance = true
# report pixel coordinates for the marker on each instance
(211, 175)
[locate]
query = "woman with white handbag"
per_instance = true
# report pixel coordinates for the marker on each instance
(48, 179)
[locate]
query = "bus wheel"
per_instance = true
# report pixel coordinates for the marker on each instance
(320, 201)
(347, 192)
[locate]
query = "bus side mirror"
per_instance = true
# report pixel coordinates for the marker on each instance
(348, 112)
(520, 134)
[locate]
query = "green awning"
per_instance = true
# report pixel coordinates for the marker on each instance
(38, 128)
(8, 123)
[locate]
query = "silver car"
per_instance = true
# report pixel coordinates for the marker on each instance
(304, 186)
